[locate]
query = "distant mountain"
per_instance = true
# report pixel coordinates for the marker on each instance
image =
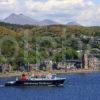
(73, 24)
(48, 22)
(23, 20)
(20, 19)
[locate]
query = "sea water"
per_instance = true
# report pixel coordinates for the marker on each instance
(76, 87)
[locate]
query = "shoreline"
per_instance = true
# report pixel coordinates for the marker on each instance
(79, 71)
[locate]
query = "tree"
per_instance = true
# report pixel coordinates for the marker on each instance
(2, 59)
(58, 57)
(71, 54)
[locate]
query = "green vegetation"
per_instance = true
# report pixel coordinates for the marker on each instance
(31, 44)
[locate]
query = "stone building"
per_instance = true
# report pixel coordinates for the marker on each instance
(85, 63)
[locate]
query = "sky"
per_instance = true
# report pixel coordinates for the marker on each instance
(85, 12)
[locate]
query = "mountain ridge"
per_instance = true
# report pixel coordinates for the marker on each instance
(73, 23)
(21, 19)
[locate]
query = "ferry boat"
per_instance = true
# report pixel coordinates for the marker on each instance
(38, 80)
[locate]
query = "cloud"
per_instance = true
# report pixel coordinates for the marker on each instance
(61, 10)
(7, 2)
(90, 15)
(85, 12)
(7, 6)
(53, 5)
(54, 8)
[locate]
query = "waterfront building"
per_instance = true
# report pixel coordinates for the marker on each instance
(94, 62)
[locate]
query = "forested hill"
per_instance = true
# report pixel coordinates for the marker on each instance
(57, 29)
(8, 32)
(51, 40)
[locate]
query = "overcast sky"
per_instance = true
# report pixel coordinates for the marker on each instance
(85, 12)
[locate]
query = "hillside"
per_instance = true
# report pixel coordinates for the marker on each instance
(49, 40)
(5, 31)
(58, 29)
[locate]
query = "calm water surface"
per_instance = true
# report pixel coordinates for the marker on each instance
(76, 87)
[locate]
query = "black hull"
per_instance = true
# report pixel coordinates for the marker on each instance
(58, 82)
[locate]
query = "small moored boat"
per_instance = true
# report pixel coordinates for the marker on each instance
(38, 80)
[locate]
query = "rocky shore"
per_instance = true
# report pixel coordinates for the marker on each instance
(16, 73)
